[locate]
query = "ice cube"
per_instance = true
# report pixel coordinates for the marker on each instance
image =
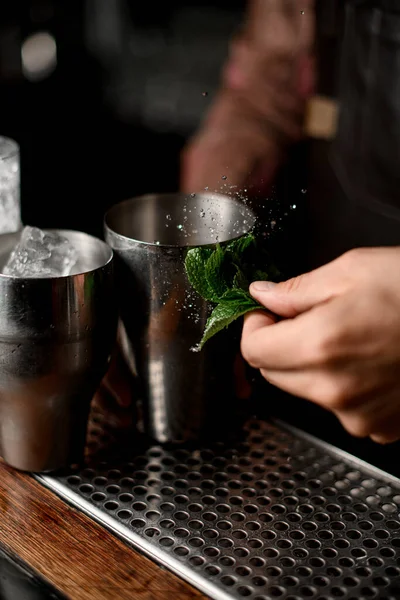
(10, 212)
(41, 254)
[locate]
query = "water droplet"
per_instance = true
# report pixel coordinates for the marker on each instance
(293, 207)
(224, 177)
(193, 195)
(302, 12)
(204, 94)
(168, 217)
(157, 242)
(206, 188)
(179, 226)
(202, 213)
(304, 191)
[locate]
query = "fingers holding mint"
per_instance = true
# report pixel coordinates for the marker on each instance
(222, 276)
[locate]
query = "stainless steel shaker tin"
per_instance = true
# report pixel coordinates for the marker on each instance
(186, 394)
(56, 335)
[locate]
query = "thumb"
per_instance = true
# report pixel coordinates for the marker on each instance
(299, 294)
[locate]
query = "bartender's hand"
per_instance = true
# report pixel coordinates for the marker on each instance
(259, 110)
(339, 344)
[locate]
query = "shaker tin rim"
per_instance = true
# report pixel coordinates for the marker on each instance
(110, 259)
(212, 195)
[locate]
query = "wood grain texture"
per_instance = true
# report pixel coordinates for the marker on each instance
(75, 554)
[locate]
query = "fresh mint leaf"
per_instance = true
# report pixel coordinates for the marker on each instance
(240, 281)
(238, 295)
(239, 246)
(195, 265)
(215, 274)
(223, 276)
(223, 315)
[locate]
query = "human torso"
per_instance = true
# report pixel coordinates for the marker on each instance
(354, 192)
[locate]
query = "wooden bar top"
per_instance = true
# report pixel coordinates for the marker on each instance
(77, 556)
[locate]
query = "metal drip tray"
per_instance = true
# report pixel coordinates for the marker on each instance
(274, 515)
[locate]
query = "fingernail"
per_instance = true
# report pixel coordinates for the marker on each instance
(262, 286)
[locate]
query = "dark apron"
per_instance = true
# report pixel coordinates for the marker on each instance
(354, 190)
(353, 197)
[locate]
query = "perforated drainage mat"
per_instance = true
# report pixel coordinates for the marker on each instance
(275, 515)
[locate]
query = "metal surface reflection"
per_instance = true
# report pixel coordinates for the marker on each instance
(56, 336)
(187, 394)
(16, 583)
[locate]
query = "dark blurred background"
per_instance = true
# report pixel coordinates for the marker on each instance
(101, 95)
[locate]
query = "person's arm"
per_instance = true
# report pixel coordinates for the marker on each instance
(259, 110)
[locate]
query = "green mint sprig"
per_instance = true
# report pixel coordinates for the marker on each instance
(223, 275)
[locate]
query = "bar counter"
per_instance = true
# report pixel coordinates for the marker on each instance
(75, 555)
